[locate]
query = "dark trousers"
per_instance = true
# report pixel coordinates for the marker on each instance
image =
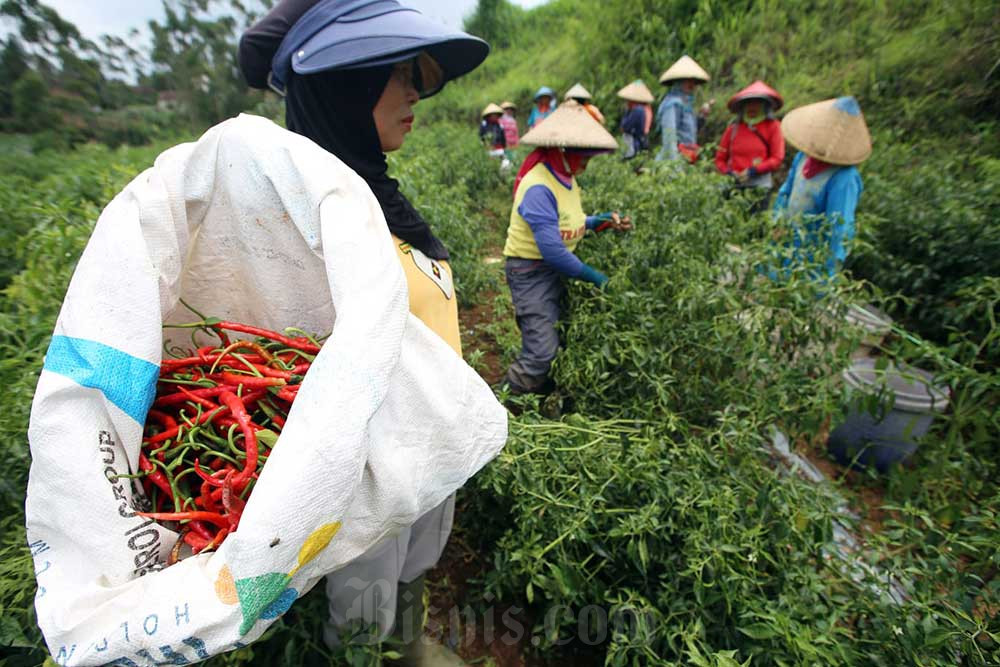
(537, 291)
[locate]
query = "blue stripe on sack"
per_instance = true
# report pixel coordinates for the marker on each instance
(126, 381)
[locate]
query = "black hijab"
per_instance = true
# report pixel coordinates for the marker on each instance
(334, 109)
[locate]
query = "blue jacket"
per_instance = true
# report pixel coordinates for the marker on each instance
(634, 123)
(537, 116)
(678, 123)
(821, 210)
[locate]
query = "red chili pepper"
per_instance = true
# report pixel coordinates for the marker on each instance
(250, 345)
(216, 541)
(185, 395)
(155, 476)
(197, 542)
(165, 420)
(236, 407)
(278, 420)
(208, 479)
(297, 343)
(248, 381)
(172, 433)
(200, 529)
(198, 400)
(232, 503)
(210, 517)
(286, 394)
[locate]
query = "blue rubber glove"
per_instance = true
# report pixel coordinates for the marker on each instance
(592, 275)
(594, 222)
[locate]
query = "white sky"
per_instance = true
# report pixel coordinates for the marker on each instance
(118, 17)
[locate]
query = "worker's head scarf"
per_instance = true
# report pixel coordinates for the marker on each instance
(334, 109)
(564, 162)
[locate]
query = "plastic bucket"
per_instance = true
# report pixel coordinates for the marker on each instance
(864, 439)
(873, 322)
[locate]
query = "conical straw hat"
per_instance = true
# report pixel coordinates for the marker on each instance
(577, 92)
(685, 68)
(508, 105)
(758, 90)
(636, 91)
(491, 108)
(833, 131)
(570, 126)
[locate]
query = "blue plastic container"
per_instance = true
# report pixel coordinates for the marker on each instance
(909, 400)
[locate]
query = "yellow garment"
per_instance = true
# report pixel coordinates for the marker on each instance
(572, 220)
(432, 292)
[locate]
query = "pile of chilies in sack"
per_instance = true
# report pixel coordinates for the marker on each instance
(216, 415)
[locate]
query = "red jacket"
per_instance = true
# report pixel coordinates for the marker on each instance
(741, 147)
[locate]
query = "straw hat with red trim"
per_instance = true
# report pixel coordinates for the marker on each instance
(758, 90)
(636, 91)
(684, 68)
(570, 126)
(491, 108)
(833, 131)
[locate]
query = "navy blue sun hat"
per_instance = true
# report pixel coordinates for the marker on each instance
(350, 34)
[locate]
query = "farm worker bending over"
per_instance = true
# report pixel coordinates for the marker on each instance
(508, 121)
(545, 103)
(546, 223)
(676, 116)
(582, 97)
(638, 117)
(818, 199)
(351, 73)
(752, 147)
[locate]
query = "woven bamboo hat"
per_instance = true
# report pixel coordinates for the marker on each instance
(570, 126)
(636, 91)
(684, 68)
(833, 131)
(508, 105)
(577, 92)
(491, 108)
(758, 90)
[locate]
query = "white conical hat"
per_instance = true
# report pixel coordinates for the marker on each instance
(637, 91)
(577, 92)
(833, 131)
(570, 126)
(490, 108)
(685, 68)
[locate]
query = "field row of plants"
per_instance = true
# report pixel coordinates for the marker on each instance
(655, 498)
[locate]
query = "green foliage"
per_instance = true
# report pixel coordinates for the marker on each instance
(930, 234)
(29, 104)
(496, 21)
(461, 197)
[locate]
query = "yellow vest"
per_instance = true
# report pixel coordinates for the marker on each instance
(572, 220)
(432, 292)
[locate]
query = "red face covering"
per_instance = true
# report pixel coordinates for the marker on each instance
(813, 167)
(563, 164)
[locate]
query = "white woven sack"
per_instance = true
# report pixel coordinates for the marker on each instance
(255, 224)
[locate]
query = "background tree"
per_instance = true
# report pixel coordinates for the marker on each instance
(13, 64)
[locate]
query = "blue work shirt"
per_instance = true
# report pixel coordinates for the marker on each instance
(678, 122)
(820, 210)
